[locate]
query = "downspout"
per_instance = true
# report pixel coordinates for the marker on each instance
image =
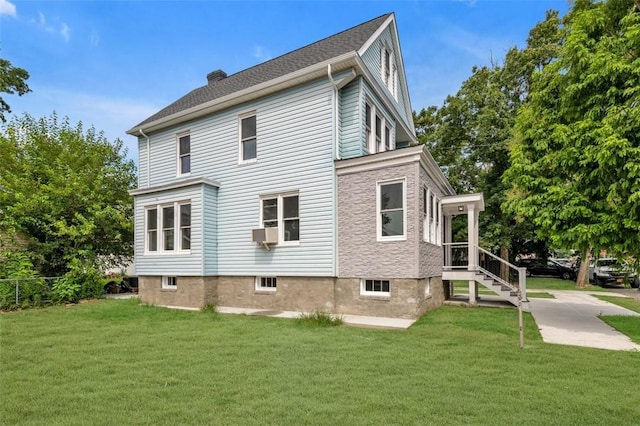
(335, 113)
(148, 156)
(336, 156)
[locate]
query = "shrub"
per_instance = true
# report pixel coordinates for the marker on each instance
(86, 276)
(65, 290)
(319, 319)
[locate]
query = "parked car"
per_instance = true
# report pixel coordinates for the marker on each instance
(609, 270)
(538, 267)
(565, 262)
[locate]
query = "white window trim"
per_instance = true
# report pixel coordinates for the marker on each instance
(402, 237)
(177, 235)
(364, 292)
(240, 147)
(280, 197)
(391, 83)
(178, 158)
(258, 284)
(165, 283)
(372, 143)
(432, 230)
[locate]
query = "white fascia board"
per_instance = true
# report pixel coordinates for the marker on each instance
(293, 79)
(391, 21)
(433, 169)
(367, 44)
(386, 99)
(476, 199)
(384, 159)
(175, 185)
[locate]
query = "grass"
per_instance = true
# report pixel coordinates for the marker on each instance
(119, 362)
(545, 283)
(540, 295)
(625, 324)
(319, 319)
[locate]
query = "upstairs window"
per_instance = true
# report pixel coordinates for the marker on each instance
(282, 211)
(367, 125)
(388, 70)
(248, 138)
(378, 138)
(184, 154)
(432, 225)
(391, 215)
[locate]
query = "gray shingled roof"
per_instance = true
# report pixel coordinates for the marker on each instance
(347, 41)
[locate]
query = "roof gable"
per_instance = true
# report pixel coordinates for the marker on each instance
(350, 40)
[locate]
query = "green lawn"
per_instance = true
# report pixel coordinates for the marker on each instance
(626, 325)
(545, 283)
(118, 362)
(540, 295)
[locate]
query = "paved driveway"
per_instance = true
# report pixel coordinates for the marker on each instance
(572, 319)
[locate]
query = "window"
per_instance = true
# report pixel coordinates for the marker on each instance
(168, 224)
(388, 70)
(169, 282)
(184, 154)
(282, 211)
(266, 283)
(185, 226)
(374, 287)
(152, 230)
(377, 139)
(387, 138)
(432, 208)
(170, 217)
(248, 139)
(367, 125)
(379, 143)
(391, 211)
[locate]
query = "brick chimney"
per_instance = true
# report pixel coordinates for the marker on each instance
(216, 75)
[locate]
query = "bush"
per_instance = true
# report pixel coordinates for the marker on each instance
(86, 277)
(65, 290)
(319, 319)
(32, 290)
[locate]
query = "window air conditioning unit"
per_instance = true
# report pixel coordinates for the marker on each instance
(265, 236)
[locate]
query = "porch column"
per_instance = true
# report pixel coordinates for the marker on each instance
(472, 238)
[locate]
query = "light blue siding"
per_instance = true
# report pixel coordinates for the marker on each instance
(143, 170)
(210, 230)
(183, 264)
(371, 58)
(351, 125)
(295, 153)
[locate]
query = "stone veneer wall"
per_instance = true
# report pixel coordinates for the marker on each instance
(408, 297)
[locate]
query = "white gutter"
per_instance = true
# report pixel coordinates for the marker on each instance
(148, 156)
(336, 155)
(336, 146)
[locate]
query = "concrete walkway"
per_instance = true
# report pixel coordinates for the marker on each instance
(354, 320)
(572, 319)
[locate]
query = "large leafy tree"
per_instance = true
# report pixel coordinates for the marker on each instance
(575, 170)
(64, 189)
(12, 80)
(469, 134)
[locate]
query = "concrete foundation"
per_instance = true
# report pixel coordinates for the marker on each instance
(408, 298)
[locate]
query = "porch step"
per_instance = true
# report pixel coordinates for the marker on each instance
(507, 293)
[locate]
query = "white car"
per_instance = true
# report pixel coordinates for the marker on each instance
(609, 270)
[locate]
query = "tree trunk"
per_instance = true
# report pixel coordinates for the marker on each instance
(504, 269)
(583, 272)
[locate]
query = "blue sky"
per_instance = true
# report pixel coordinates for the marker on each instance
(114, 63)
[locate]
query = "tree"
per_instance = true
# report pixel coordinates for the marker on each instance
(575, 160)
(12, 80)
(469, 134)
(65, 189)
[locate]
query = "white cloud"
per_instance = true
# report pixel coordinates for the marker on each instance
(59, 28)
(261, 53)
(114, 116)
(7, 8)
(95, 38)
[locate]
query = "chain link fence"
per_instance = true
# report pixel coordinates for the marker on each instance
(27, 292)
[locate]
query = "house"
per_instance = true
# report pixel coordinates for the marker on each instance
(296, 184)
